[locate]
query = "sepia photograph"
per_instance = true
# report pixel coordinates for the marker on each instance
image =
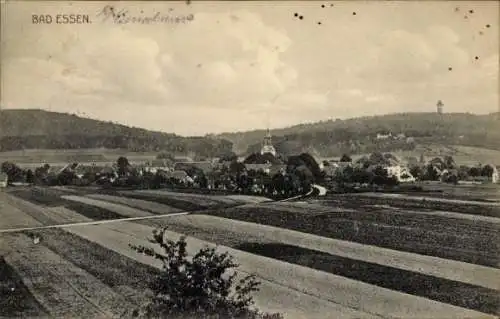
(250, 159)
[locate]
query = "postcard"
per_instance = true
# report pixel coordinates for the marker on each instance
(250, 159)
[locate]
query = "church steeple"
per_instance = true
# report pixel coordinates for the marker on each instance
(267, 145)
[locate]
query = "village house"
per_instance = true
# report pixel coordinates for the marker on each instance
(402, 173)
(4, 179)
(259, 167)
(158, 165)
(334, 167)
(401, 136)
(383, 136)
(181, 177)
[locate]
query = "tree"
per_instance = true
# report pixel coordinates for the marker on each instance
(204, 287)
(228, 157)
(123, 165)
(346, 158)
(431, 173)
(487, 171)
(416, 171)
(475, 171)
(14, 172)
(30, 177)
(236, 168)
(377, 158)
(449, 162)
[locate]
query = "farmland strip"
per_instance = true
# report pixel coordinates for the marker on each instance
(352, 201)
(432, 287)
(273, 297)
(327, 225)
(430, 199)
(64, 290)
(33, 199)
(431, 266)
(14, 217)
(349, 293)
(148, 206)
(15, 298)
(126, 276)
(116, 208)
(267, 242)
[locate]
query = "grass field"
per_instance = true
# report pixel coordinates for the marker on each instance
(35, 157)
(340, 257)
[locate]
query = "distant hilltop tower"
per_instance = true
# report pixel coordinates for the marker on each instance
(440, 106)
(267, 145)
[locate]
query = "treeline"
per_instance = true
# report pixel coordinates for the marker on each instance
(197, 145)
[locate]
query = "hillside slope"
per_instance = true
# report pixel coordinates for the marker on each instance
(38, 129)
(358, 135)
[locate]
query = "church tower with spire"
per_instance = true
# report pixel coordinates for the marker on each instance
(267, 145)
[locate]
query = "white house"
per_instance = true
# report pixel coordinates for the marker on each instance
(494, 176)
(383, 136)
(3, 180)
(401, 173)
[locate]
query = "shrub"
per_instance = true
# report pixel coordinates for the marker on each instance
(202, 287)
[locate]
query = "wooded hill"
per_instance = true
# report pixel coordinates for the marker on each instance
(358, 135)
(38, 129)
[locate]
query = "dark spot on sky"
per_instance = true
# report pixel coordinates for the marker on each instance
(450, 68)
(295, 14)
(354, 13)
(477, 58)
(457, 9)
(466, 17)
(319, 22)
(322, 5)
(471, 11)
(488, 26)
(301, 17)
(199, 65)
(481, 32)
(331, 5)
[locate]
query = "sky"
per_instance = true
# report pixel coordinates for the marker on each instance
(236, 66)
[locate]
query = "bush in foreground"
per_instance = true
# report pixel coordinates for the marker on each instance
(204, 286)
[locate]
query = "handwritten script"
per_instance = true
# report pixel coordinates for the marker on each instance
(123, 16)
